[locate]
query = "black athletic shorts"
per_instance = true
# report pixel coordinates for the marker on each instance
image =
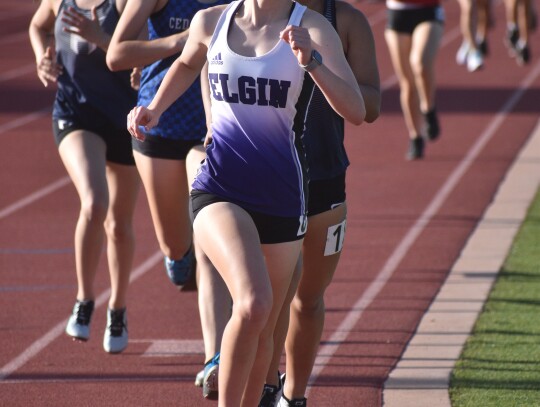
(162, 147)
(117, 140)
(326, 194)
(272, 229)
(406, 20)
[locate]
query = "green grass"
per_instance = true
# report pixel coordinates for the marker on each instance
(500, 363)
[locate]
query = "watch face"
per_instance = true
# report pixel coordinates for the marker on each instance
(316, 56)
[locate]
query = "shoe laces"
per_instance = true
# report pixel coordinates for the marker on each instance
(83, 310)
(117, 322)
(270, 388)
(268, 397)
(270, 393)
(212, 362)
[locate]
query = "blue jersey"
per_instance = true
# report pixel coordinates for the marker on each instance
(184, 119)
(256, 159)
(87, 89)
(325, 130)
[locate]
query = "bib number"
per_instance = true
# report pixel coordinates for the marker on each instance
(335, 238)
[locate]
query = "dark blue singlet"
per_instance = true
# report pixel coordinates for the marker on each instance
(325, 130)
(87, 89)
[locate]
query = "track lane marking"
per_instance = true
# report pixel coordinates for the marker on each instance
(11, 38)
(327, 351)
(27, 118)
(8, 15)
(15, 73)
(102, 378)
(30, 199)
(59, 183)
(58, 330)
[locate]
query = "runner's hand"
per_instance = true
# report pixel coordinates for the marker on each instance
(135, 78)
(47, 68)
(141, 117)
(208, 139)
(300, 41)
(87, 28)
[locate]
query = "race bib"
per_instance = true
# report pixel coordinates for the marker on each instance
(335, 238)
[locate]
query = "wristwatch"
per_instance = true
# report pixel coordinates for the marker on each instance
(315, 61)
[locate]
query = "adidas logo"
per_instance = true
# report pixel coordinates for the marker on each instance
(216, 60)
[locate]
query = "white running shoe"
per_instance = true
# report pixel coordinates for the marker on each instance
(78, 326)
(199, 378)
(475, 61)
(115, 339)
(210, 380)
(463, 51)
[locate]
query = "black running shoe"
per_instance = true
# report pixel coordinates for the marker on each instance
(523, 54)
(483, 47)
(432, 125)
(511, 39)
(416, 149)
(271, 394)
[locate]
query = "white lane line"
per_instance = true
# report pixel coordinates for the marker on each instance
(28, 118)
(8, 15)
(34, 288)
(20, 36)
(164, 348)
(58, 329)
(342, 331)
(34, 197)
(15, 73)
(13, 124)
(102, 378)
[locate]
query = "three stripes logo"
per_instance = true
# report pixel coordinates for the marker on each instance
(216, 60)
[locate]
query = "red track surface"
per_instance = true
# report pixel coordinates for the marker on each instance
(407, 225)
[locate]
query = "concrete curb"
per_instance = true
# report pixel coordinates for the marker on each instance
(421, 377)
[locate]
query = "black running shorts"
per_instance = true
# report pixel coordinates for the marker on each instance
(406, 20)
(162, 147)
(272, 229)
(326, 194)
(117, 140)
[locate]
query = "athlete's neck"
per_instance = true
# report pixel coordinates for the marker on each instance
(260, 13)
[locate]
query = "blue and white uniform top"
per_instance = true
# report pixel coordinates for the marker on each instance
(86, 84)
(184, 119)
(256, 158)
